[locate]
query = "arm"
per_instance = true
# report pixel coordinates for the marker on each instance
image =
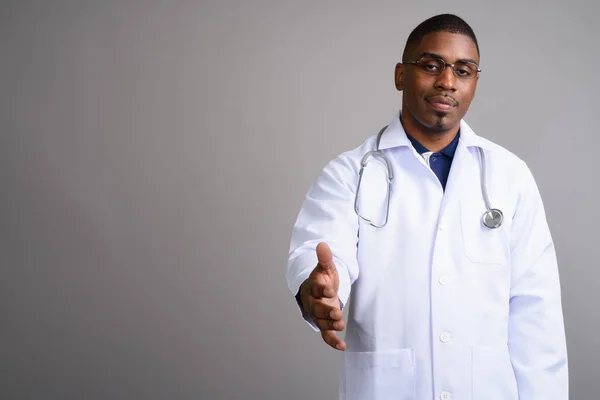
(327, 215)
(536, 334)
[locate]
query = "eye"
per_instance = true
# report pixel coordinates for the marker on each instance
(465, 70)
(431, 66)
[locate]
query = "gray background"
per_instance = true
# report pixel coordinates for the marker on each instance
(154, 155)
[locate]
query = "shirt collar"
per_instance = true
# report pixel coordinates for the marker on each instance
(449, 150)
(395, 136)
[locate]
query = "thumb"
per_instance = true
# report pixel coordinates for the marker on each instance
(325, 258)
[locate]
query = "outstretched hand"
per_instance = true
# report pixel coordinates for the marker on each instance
(319, 297)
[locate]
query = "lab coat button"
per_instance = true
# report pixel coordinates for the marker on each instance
(445, 396)
(443, 280)
(445, 337)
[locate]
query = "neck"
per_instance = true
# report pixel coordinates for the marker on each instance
(433, 139)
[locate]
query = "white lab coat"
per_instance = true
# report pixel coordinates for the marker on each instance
(441, 307)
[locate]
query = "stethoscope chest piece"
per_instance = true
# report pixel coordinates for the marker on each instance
(492, 218)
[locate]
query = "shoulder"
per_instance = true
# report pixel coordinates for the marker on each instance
(500, 153)
(499, 157)
(351, 159)
(342, 171)
(507, 171)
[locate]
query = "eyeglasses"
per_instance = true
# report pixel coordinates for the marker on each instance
(435, 66)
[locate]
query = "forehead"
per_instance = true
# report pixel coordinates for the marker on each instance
(450, 46)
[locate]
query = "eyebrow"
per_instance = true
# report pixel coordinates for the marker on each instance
(433, 55)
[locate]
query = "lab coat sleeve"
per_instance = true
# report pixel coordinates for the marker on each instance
(327, 215)
(536, 334)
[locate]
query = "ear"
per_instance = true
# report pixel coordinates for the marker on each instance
(399, 76)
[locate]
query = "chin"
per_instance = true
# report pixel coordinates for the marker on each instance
(441, 125)
(444, 122)
(435, 121)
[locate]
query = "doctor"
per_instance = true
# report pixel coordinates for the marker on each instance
(451, 276)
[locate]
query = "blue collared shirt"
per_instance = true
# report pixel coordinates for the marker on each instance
(440, 162)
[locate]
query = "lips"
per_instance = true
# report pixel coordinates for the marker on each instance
(442, 102)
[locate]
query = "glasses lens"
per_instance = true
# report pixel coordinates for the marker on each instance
(435, 66)
(431, 66)
(465, 70)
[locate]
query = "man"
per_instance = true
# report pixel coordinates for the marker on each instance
(449, 298)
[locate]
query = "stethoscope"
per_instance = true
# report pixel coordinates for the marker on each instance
(492, 218)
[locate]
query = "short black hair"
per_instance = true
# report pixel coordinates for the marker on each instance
(439, 23)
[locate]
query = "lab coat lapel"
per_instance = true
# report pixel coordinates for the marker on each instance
(459, 179)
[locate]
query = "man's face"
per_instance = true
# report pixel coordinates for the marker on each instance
(433, 103)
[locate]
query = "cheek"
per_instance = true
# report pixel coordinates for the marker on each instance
(416, 84)
(413, 92)
(469, 94)
(466, 103)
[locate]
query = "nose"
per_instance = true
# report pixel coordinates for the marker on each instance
(446, 80)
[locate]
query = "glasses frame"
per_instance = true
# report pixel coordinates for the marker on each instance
(444, 65)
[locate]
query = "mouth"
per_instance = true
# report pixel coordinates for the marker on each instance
(441, 103)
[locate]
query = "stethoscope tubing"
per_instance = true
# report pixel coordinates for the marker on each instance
(492, 218)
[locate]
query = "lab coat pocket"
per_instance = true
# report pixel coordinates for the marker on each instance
(482, 244)
(493, 375)
(381, 375)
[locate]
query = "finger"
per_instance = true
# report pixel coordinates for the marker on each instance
(329, 325)
(325, 258)
(320, 290)
(331, 339)
(310, 290)
(323, 310)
